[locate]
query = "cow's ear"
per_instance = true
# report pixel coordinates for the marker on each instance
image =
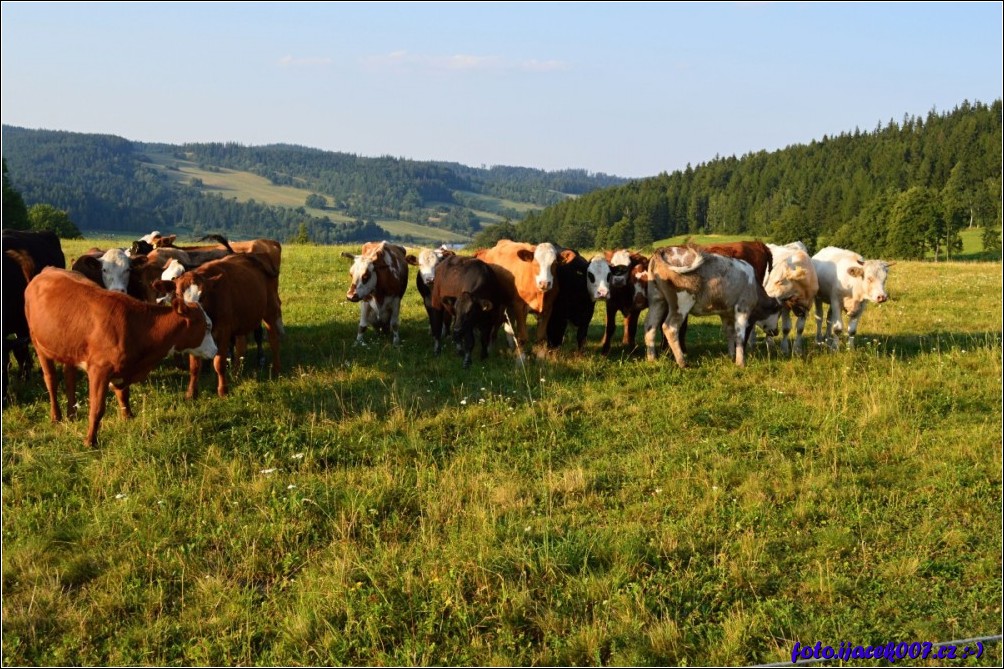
(888, 264)
(525, 255)
(167, 240)
(87, 262)
(642, 276)
(566, 256)
(856, 272)
(162, 286)
(486, 305)
(411, 260)
(346, 254)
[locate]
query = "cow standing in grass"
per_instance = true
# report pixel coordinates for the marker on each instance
(687, 280)
(847, 282)
(379, 277)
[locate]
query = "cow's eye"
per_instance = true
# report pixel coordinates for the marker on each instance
(591, 277)
(366, 276)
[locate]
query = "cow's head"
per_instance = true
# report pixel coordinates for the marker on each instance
(546, 256)
(871, 276)
(185, 294)
(115, 266)
(467, 309)
(426, 262)
(792, 284)
(620, 267)
(598, 277)
(363, 274)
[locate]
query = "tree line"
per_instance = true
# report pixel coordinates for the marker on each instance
(899, 191)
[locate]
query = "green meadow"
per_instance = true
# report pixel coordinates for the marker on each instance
(377, 505)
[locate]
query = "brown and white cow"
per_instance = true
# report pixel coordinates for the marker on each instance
(688, 280)
(792, 282)
(379, 278)
(114, 338)
(238, 292)
(847, 282)
(526, 274)
(620, 278)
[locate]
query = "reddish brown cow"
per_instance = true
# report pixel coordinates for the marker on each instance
(238, 292)
(114, 338)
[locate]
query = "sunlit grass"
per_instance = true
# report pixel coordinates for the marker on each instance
(378, 505)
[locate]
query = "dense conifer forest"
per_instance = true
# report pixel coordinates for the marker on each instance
(903, 190)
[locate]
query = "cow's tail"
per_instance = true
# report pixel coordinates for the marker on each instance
(219, 239)
(24, 261)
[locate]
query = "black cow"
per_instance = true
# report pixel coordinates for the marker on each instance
(31, 252)
(573, 304)
(467, 289)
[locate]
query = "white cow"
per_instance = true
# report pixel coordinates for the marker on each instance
(793, 282)
(846, 282)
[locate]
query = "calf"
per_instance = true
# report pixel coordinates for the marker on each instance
(25, 253)
(526, 274)
(238, 292)
(114, 338)
(426, 262)
(620, 278)
(379, 278)
(685, 280)
(572, 305)
(792, 281)
(467, 289)
(846, 282)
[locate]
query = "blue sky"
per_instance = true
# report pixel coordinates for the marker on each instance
(621, 88)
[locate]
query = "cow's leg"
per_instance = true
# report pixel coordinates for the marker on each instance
(122, 395)
(51, 385)
(97, 380)
(364, 319)
(194, 367)
(467, 342)
(395, 315)
(436, 327)
(819, 320)
(852, 324)
(739, 336)
(786, 328)
(834, 323)
(609, 327)
(672, 328)
(23, 357)
(70, 379)
(631, 327)
(683, 335)
(799, 329)
(657, 311)
(486, 339)
(220, 366)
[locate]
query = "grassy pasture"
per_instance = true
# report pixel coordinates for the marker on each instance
(376, 505)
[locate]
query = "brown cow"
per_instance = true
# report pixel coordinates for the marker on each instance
(238, 292)
(111, 336)
(468, 290)
(526, 274)
(379, 278)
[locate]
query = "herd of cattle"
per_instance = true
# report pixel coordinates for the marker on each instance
(117, 313)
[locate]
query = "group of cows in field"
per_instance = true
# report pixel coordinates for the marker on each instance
(116, 314)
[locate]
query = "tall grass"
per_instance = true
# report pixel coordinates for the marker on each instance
(379, 505)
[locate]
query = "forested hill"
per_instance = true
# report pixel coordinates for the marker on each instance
(112, 184)
(899, 191)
